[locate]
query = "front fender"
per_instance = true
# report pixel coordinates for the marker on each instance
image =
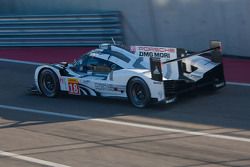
(39, 69)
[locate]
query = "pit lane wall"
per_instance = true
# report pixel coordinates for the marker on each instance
(183, 23)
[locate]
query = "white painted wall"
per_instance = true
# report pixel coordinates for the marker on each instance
(179, 23)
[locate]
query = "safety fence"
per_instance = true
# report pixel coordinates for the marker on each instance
(88, 29)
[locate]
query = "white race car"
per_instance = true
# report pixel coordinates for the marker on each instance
(142, 74)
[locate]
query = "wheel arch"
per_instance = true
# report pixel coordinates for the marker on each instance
(38, 72)
(130, 80)
(135, 80)
(139, 78)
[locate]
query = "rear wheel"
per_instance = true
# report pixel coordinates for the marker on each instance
(138, 92)
(48, 83)
(217, 84)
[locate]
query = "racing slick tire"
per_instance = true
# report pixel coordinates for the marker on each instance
(48, 83)
(215, 85)
(138, 92)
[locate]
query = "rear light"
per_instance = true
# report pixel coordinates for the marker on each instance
(215, 44)
(216, 54)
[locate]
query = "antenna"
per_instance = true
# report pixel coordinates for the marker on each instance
(113, 40)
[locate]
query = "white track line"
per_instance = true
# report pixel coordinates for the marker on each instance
(137, 125)
(20, 62)
(238, 84)
(36, 63)
(29, 159)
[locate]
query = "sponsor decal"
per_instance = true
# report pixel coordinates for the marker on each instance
(154, 54)
(155, 49)
(157, 82)
(109, 87)
(73, 86)
(150, 51)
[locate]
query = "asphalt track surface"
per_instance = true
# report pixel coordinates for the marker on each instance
(201, 129)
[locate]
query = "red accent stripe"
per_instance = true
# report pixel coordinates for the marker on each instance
(236, 70)
(44, 54)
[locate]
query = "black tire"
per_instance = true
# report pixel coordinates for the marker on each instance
(48, 83)
(138, 92)
(213, 87)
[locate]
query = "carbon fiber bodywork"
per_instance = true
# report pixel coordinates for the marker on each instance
(212, 79)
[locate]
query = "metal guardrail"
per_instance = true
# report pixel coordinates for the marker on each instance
(89, 29)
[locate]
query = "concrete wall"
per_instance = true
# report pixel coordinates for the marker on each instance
(180, 23)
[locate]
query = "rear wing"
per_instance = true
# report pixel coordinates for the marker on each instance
(152, 56)
(216, 53)
(156, 64)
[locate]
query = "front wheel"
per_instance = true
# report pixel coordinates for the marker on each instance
(138, 92)
(48, 83)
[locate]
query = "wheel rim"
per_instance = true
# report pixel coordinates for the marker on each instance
(138, 94)
(49, 83)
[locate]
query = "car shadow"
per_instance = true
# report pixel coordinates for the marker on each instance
(198, 107)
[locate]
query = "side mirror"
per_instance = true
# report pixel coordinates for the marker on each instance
(64, 64)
